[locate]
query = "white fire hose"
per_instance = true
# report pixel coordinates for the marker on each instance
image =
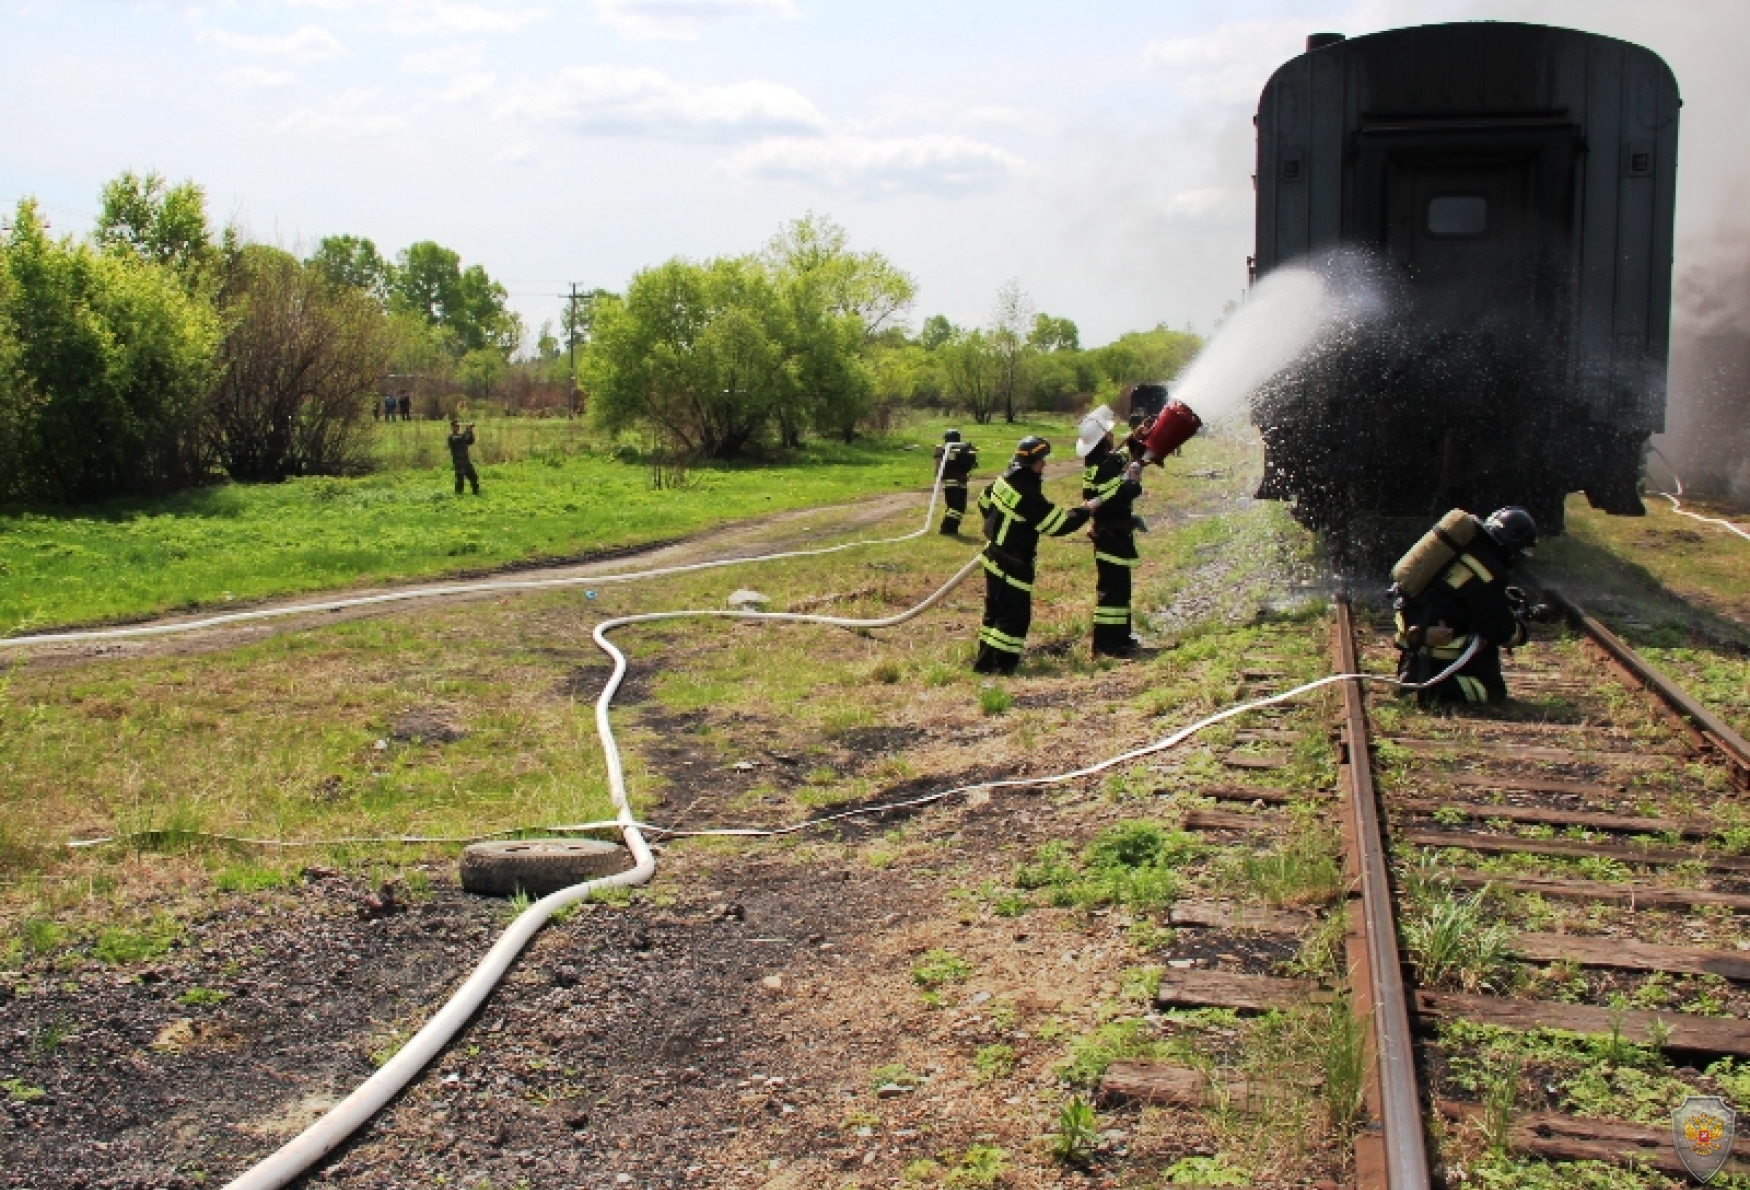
(297, 1155)
(1677, 503)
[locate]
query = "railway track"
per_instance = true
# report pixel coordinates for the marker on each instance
(1573, 862)
(1546, 925)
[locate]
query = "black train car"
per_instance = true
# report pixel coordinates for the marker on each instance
(1507, 191)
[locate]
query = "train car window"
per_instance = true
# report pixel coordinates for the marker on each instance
(1458, 216)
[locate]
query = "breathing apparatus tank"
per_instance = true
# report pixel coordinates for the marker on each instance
(1438, 548)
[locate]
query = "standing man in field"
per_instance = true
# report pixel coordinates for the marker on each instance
(1016, 516)
(1115, 482)
(962, 458)
(461, 438)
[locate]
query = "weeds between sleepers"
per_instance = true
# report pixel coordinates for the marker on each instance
(1465, 939)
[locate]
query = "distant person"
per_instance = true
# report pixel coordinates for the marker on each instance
(461, 438)
(389, 407)
(962, 458)
(1016, 516)
(1116, 482)
(1452, 588)
(376, 411)
(406, 405)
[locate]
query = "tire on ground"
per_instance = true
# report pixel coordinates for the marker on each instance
(538, 866)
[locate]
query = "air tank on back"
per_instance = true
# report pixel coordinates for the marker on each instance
(1504, 194)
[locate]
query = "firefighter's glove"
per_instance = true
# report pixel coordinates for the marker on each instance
(1137, 523)
(1133, 471)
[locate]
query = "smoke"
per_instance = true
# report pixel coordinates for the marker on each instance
(1707, 436)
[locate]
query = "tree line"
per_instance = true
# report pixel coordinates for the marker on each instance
(716, 359)
(157, 354)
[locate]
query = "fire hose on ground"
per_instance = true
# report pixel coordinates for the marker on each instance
(1677, 503)
(330, 1131)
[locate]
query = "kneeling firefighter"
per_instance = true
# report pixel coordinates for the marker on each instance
(1451, 587)
(961, 457)
(1016, 516)
(1116, 482)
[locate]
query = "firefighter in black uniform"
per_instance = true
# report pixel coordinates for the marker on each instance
(962, 458)
(1116, 482)
(1016, 516)
(1471, 598)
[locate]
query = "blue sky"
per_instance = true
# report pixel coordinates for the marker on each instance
(1099, 152)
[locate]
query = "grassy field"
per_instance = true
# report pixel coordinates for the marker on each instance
(1674, 589)
(557, 496)
(295, 736)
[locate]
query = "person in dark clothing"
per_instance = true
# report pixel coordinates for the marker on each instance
(1470, 598)
(1116, 482)
(1016, 516)
(406, 406)
(461, 438)
(389, 407)
(962, 458)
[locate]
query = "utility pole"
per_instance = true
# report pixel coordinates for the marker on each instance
(571, 346)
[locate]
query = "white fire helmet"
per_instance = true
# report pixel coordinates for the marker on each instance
(1094, 428)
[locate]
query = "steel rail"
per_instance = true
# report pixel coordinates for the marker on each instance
(1734, 747)
(1400, 1101)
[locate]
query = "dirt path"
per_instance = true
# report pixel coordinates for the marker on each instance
(792, 530)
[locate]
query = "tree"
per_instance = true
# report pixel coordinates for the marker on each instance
(161, 224)
(937, 331)
(1053, 334)
(302, 361)
(864, 284)
(428, 280)
(111, 362)
(971, 370)
(695, 352)
(1160, 354)
(353, 261)
(1010, 320)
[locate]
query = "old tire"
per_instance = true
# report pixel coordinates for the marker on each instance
(538, 866)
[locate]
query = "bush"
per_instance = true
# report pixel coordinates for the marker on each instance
(300, 367)
(105, 366)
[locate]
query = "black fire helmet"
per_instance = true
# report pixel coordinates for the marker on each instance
(1031, 449)
(950, 435)
(1512, 529)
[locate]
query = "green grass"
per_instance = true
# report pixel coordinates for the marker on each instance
(1132, 863)
(210, 548)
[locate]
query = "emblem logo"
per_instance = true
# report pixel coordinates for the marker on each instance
(1702, 1130)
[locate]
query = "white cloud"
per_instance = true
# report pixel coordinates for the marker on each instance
(450, 60)
(901, 112)
(1020, 119)
(1228, 64)
(258, 76)
(462, 18)
(932, 163)
(469, 85)
(679, 20)
(312, 43)
(346, 114)
(613, 100)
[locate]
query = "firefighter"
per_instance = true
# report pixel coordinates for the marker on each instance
(1016, 516)
(1116, 482)
(1470, 598)
(461, 438)
(962, 458)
